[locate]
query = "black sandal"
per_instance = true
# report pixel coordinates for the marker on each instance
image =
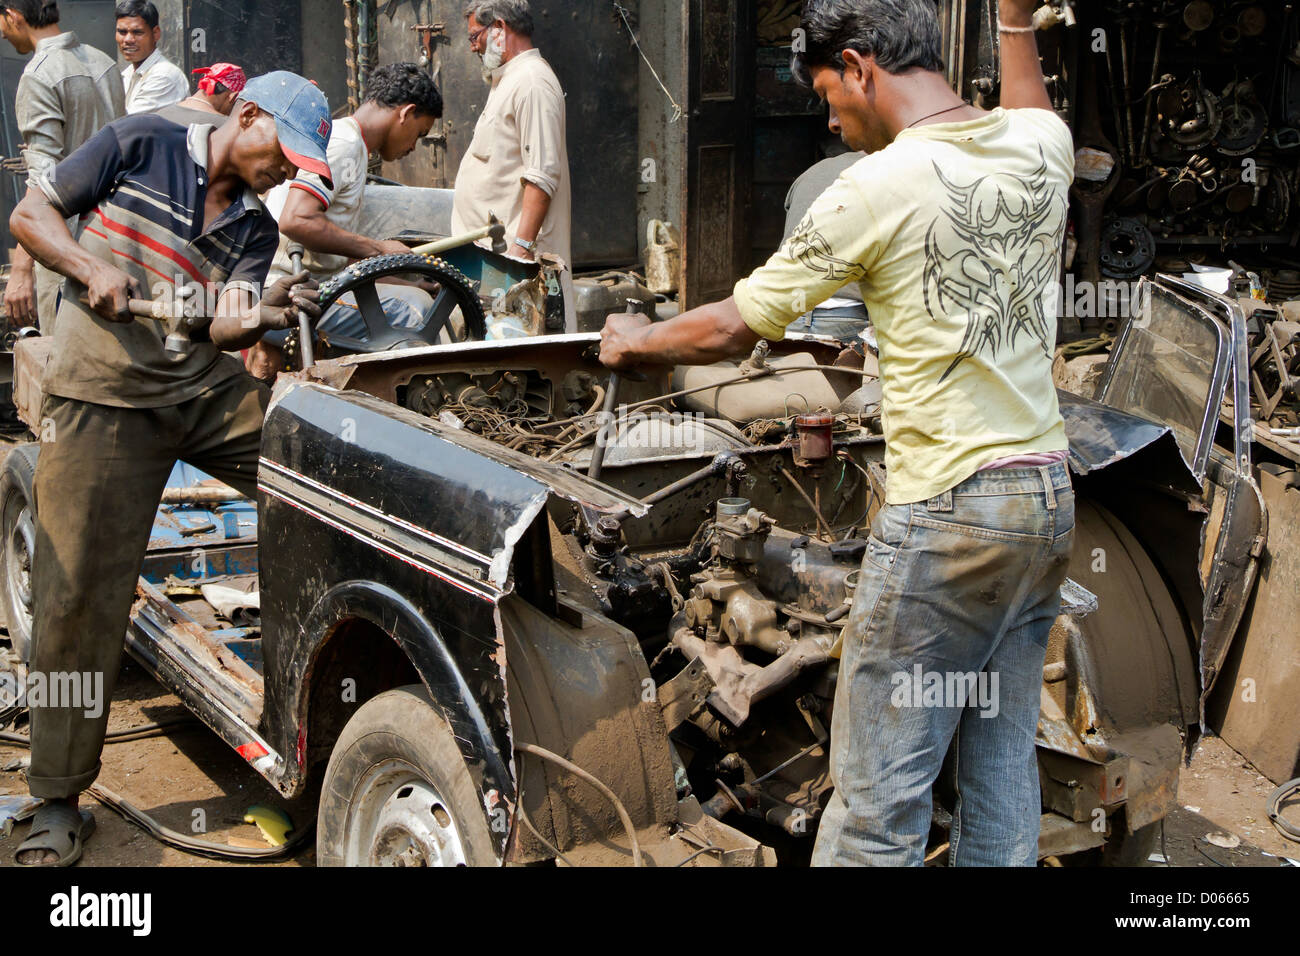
(59, 828)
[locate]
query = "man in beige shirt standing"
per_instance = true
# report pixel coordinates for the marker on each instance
(517, 165)
(67, 93)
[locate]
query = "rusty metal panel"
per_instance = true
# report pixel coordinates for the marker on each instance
(1261, 719)
(1059, 836)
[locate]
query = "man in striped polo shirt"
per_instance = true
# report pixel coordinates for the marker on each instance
(168, 206)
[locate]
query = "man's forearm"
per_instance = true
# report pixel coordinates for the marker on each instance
(1022, 70)
(324, 238)
(237, 324)
(537, 203)
(702, 336)
(44, 233)
(21, 261)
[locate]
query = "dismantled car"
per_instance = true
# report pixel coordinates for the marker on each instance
(493, 657)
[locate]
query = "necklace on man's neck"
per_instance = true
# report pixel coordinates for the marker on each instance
(934, 114)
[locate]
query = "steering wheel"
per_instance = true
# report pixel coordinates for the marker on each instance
(361, 279)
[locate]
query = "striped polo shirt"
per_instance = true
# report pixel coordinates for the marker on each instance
(140, 186)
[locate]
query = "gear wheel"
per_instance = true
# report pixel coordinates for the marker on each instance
(360, 279)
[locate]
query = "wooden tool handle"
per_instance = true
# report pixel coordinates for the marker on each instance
(140, 308)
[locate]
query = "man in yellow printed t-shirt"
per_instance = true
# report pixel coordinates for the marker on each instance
(952, 227)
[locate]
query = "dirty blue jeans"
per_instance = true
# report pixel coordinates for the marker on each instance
(945, 645)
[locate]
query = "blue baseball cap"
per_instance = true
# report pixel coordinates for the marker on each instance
(302, 117)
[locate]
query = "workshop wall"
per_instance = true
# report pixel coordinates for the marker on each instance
(588, 47)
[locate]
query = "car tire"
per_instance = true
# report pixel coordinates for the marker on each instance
(18, 524)
(397, 791)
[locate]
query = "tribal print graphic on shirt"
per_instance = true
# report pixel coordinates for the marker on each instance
(992, 258)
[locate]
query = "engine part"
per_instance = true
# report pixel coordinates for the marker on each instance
(1241, 128)
(1198, 15)
(1252, 21)
(727, 605)
(741, 531)
(1161, 28)
(765, 398)
(1128, 249)
(1190, 115)
(738, 683)
(814, 442)
(1284, 284)
(1090, 197)
(797, 571)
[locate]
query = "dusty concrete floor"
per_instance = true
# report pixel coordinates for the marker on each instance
(192, 769)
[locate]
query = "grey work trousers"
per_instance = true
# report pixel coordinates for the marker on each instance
(99, 479)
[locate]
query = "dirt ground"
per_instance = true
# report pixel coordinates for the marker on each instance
(169, 777)
(192, 769)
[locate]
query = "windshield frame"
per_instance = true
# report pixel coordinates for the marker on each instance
(1164, 290)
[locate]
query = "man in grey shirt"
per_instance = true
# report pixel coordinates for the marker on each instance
(842, 316)
(67, 93)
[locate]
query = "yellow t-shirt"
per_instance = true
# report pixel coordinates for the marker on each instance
(953, 233)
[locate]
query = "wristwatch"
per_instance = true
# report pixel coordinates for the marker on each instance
(525, 243)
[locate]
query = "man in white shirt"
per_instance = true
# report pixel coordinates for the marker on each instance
(150, 79)
(517, 165)
(402, 104)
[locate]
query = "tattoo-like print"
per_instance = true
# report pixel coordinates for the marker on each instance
(809, 247)
(995, 220)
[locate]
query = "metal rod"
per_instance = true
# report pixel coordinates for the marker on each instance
(305, 336)
(1127, 88)
(1151, 96)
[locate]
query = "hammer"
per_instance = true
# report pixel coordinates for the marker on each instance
(178, 341)
(496, 230)
(305, 341)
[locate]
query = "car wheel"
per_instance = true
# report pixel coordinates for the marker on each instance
(18, 525)
(397, 792)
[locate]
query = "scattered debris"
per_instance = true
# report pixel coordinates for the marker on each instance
(16, 809)
(1229, 841)
(274, 824)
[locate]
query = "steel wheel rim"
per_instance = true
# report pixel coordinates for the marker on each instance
(20, 547)
(398, 818)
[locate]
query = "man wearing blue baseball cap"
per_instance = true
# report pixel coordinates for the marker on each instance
(167, 207)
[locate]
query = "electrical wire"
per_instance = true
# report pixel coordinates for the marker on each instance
(182, 841)
(609, 794)
(699, 853)
(677, 109)
(545, 842)
(142, 732)
(811, 504)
